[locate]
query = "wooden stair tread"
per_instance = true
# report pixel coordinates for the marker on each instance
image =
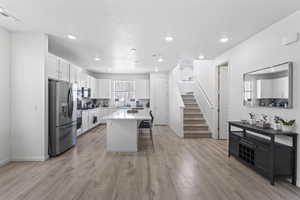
(195, 125)
(195, 118)
(188, 98)
(196, 131)
(191, 108)
(191, 105)
(193, 113)
(197, 136)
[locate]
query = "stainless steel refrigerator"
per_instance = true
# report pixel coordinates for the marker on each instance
(62, 117)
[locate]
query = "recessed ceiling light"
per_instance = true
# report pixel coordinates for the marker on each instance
(133, 50)
(224, 39)
(201, 57)
(160, 59)
(72, 37)
(169, 39)
(97, 58)
(156, 69)
(1, 10)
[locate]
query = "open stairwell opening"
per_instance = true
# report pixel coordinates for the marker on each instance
(194, 124)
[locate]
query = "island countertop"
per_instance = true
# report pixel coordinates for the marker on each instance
(122, 114)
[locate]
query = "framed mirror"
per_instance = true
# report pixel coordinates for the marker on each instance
(270, 87)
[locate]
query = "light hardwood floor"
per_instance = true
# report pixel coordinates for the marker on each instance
(184, 169)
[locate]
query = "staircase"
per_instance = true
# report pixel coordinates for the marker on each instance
(194, 125)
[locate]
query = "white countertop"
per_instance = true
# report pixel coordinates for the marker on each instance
(122, 114)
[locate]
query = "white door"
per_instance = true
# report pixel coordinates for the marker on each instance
(159, 100)
(223, 102)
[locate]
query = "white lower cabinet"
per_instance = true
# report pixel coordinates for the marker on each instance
(90, 122)
(85, 120)
(93, 115)
(89, 119)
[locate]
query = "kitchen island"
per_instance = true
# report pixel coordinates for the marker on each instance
(122, 130)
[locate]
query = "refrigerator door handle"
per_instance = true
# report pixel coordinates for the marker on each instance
(71, 103)
(68, 101)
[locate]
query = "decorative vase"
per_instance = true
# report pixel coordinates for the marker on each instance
(277, 126)
(287, 128)
(252, 121)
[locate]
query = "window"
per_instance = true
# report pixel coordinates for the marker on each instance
(123, 92)
(248, 91)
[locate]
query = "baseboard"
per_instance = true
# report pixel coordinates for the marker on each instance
(4, 162)
(29, 159)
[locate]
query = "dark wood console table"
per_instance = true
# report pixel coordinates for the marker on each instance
(267, 157)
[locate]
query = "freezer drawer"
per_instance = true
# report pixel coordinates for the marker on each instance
(62, 139)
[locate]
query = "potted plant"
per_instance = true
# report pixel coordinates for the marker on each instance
(287, 126)
(263, 123)
(277, 125)
(252, 119)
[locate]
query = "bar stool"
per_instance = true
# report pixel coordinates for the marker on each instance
(147, 124)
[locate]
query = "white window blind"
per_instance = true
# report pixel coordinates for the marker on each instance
(123, 92)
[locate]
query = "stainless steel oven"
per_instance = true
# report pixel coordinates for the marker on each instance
(86, 92)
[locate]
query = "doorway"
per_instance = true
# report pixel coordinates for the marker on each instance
(222, 101)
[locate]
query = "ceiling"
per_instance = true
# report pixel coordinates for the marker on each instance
(109, 29)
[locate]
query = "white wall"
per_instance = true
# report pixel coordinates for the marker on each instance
(205, 74)
(176, 104)
(203, 71)
(120, 76)
(186, 73)
(159, 97)
(28, 96)
(264, 50)
(5, 38)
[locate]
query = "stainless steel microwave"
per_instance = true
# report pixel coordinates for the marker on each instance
(86, 92)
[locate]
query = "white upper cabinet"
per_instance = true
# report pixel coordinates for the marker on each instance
(142, 89)
(104, 88)
(64, 70)
(52, 66)
(57, 68)
(75, 74)
(84, 80)
(94, 87)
